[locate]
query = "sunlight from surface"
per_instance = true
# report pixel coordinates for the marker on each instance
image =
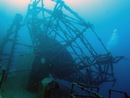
(84, 6)
(98, 10)
(14, 6)
(15, 3)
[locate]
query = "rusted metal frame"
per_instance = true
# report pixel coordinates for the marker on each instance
(70, 43)
(84, 64)
(85, 89)
(99, 39)
(112, 90)
(88, 46)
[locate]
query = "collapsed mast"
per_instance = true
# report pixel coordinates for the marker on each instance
(63, 31)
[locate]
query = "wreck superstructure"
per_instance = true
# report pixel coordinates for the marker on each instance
(60, 42)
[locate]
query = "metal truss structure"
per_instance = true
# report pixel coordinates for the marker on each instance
(65, 27)
(90, 91)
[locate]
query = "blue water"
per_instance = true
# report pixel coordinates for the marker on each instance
(106, 16)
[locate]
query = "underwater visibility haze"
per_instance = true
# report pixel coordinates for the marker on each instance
(76, 34)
